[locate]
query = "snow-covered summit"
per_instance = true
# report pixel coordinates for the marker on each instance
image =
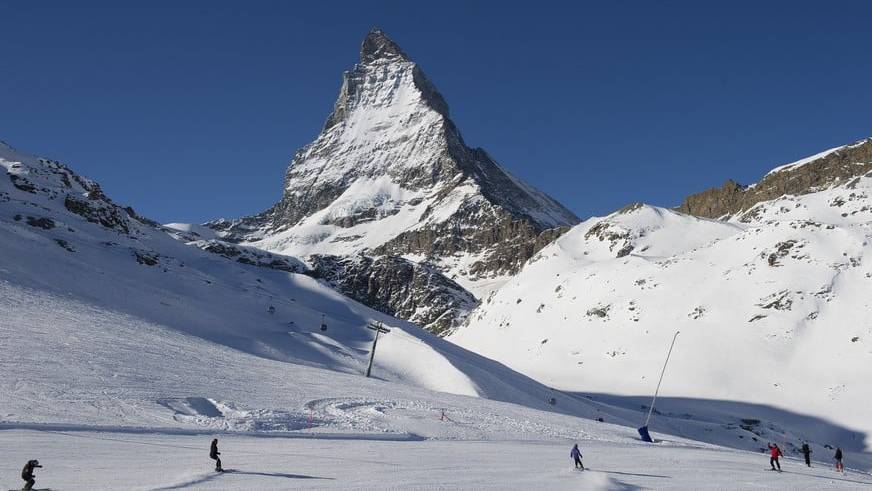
(390, 175)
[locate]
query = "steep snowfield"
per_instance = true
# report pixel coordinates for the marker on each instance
(773, 308)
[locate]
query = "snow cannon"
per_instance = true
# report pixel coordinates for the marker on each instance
(643, 431)
(646, 437)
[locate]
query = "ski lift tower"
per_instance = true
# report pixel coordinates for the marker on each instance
(379, 329)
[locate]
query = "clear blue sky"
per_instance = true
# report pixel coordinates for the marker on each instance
(192, 110)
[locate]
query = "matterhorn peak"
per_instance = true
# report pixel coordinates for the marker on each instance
(388, 194)
(377, 46)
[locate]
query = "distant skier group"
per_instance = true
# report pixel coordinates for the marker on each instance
(775, 452)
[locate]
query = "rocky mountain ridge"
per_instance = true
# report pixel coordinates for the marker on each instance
(826, 169)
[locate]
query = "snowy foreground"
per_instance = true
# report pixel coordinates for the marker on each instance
(88, 460)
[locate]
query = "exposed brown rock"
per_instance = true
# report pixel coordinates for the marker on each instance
(838, 167)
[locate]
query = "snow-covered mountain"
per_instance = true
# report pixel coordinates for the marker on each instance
(773, 302)
(108, 319)
(114, 330)
(391, 180)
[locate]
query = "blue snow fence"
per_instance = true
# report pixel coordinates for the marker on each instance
(646, 437)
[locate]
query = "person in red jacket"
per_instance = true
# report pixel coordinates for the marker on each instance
(774, 453)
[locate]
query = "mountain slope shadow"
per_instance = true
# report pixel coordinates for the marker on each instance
(740, 425)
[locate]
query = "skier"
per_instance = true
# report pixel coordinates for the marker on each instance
(840, 467)
(806, 452)
(774, 453)
(576, 456)
(27, 474)
(214, 453)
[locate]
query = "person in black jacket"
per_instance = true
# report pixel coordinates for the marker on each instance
(806, 452)
(214, 453)
(27, 474)
(839, 465)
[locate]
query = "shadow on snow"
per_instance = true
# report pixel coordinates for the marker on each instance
(739, 425)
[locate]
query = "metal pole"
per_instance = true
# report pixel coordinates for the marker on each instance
(379, 329)
(651, 409)
(372, 352)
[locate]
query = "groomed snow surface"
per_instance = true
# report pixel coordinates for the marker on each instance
(93, 460)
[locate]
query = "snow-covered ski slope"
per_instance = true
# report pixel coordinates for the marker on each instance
(111, 321)
(180, 462)
(774, 309)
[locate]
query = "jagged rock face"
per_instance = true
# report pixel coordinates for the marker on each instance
(398, 287)
(251, 256)
(831, 168)
(44, 180)
(390, 175)
(509, 242)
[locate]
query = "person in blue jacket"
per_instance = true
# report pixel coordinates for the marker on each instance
(576, 456)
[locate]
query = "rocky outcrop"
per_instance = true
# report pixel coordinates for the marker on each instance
(830, 169)
(506, 243)
(398, 287)
(96, 209)
(251, 256)
(53, 181)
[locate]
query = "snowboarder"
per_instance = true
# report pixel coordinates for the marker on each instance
(27, 474)
(576, 456)
(774, 453)
(806, 452)
(214, 453)
(840, 467)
